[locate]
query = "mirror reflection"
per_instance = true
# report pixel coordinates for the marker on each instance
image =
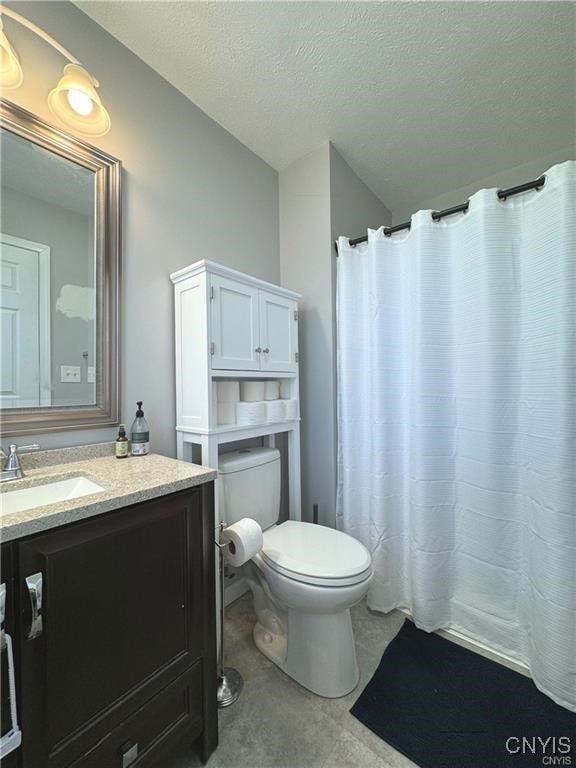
(47, 278)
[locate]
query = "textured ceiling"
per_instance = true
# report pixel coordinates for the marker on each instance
(419, 97)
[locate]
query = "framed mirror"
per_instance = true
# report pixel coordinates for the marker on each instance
(59, 279)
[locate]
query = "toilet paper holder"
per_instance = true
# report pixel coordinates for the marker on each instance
(230, 681)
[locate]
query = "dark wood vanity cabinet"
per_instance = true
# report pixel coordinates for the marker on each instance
(121, 661)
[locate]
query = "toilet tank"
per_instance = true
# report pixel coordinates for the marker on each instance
(250, 485)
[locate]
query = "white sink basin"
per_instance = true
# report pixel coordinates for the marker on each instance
(22, 499)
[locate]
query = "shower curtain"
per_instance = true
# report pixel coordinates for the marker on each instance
(457, 422)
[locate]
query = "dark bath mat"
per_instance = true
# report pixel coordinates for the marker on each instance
(444, 706)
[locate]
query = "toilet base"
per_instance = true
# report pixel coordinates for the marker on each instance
(271, 644)
(306, 630)
(317, 650)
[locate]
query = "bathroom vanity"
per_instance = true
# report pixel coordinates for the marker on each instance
(111, 607)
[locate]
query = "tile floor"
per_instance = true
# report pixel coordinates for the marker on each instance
(278, 724)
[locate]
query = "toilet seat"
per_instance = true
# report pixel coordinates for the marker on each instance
(315, 554)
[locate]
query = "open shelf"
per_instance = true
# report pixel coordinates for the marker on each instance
(243, 431)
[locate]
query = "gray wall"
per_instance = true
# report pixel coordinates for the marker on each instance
(305, 266)
(190, 191)
(320, 198)
(507, 177)
(70, 237)
(353, 207)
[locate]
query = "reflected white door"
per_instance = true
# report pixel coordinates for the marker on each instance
(24, 323)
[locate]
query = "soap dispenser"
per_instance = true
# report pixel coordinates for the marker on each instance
(121, 444)
(140, 433)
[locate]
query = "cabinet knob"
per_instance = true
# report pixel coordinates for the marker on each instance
(266, 351)
(258, 349)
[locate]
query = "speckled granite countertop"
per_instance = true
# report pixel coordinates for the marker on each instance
(125, 481)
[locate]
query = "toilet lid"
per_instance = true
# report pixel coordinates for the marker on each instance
(314, 551)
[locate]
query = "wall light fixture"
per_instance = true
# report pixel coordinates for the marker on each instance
(75, 100)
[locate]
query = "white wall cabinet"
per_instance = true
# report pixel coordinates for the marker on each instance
(231, 325)
(252, 329)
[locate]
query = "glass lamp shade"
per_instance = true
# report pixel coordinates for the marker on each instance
(76, 102)
(10, 70)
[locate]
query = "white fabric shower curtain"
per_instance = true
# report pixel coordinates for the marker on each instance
(457, 422)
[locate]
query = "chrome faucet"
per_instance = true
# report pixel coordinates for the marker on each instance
(12, 469)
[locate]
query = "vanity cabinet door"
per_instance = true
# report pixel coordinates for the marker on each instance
(278, 332)
(113, 610)
(234, 325)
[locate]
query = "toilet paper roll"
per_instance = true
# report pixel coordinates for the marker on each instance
(227, 391)
(252, 391)
(226, 413)
(250, 413)
(285, 389)
(291, 407)
(275, 411)
(243, 539)
(271, 390)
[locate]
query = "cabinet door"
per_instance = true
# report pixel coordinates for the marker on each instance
(278, 332)
(121, 617)
(234, 325)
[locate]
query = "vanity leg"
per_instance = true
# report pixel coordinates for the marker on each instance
(208, 743)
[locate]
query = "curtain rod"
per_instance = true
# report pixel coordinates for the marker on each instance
(462, 208)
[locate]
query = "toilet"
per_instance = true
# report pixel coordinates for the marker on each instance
(304, 580)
